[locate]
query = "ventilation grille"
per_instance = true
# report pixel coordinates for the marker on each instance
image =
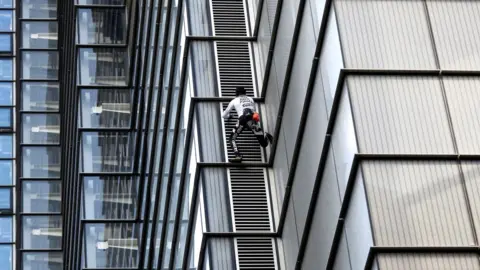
(234, 67)
(255, 253)
(229, 18)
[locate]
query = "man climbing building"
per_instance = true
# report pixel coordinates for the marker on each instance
(247, 118)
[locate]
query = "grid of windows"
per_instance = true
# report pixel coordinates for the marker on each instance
(39, 204)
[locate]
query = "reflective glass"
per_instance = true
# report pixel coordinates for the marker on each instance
(106, 108)
(6, 172)
(39, 9)
(107, 151)
(109, 197)
(6, 3)
(42, 261)
(40, 128)
(6, 93)
(5, 118)
(6, 257)
(5, 42)
(6, 20)
(102, 26)
(40, 65)
(43, 162)
(6, 146)
(111, 245)
(6, 69)
(103, 66)
(40, 96)
(6, 230)
(42, 232)
(5, 199)
(40, 35)
(101, 2)
(41, 197)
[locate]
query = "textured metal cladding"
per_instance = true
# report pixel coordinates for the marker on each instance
(417, 203)
(400, 115)
(385, 34)
(428, 261)
(457, 33)
(462, 96)
(471, 171)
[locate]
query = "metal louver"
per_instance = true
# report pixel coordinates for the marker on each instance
(248, 192)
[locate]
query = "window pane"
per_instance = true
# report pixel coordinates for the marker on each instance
(6, 172)
(6, 3)
(6, 230)
(5, 42)
(102, 26)
(5, 118)
(106, 108)
(40, 35)
(6, 20)
(105, 242)
(40, 65)
(41, 128)
(42, 232)
(103, 66)
(6, 93)
(6, 69)
(101, 2)
(107, 151)
(6, 257)
(41, 197)
(39, 9)
(6, 146)
(41, 162)
(5, 199)
(42, 261)
(40, 96)
(109, 197)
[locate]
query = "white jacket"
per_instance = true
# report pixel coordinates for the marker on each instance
(239, 103)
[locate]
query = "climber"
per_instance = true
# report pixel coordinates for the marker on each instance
(247, 118)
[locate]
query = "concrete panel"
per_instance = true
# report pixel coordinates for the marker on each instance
(385, 34)
(400, 115)
(456, 32)
(417, 203)
(428, 261)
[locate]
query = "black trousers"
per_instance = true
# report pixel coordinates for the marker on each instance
(245, 121)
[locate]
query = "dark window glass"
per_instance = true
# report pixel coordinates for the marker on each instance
(6, 3)
(101, 2)
(42, 232)
(5, 43)
(40, 96)
(6, 20)
(6, 172)
(6, 257)
(106, 108)
(6, 69)
(6, 146)
(6, 93)
(6, 230)
(40, 65)
(40, 35)
(39, 9)
(102, 26)
(5, 200)
(41, 162)
(5, 118)
(41, 196)
(103, 66)
(42, 260)
(41, 128)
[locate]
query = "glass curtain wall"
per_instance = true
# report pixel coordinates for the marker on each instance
(39, 204)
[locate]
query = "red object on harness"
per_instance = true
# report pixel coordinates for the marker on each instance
(256, 117)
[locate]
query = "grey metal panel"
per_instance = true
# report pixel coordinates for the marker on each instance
(417, 203)
(342, 261)
(456, 31)
(428, 261)
(400, 115)
(385, 34)
(289, 240)
(198, 17)
(315, 12)
(261, 47)
(471, 172)
(271, 7)
(463, 96)
(325, 220)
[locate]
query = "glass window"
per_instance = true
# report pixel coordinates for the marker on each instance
(40, 65)
(43, 162)
(6, 93)
(5, 199)
(39, 9)
(40, 35)
(102, 26)
(106, 108)
(42, 261)
(103, 241)
(6, 257)
(41, 196)
(41, 128)
(6, 230)
(6, 20)
(42, 232)
(5, 118)
(6, 69)
(6, 3)
(6, 146)
(103, 66)
(101, 2)
(40, 96)
(5, 42)
(107, 151)
(6, 172)
(109, 197)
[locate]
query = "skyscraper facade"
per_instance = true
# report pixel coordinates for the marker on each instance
(114, 154)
